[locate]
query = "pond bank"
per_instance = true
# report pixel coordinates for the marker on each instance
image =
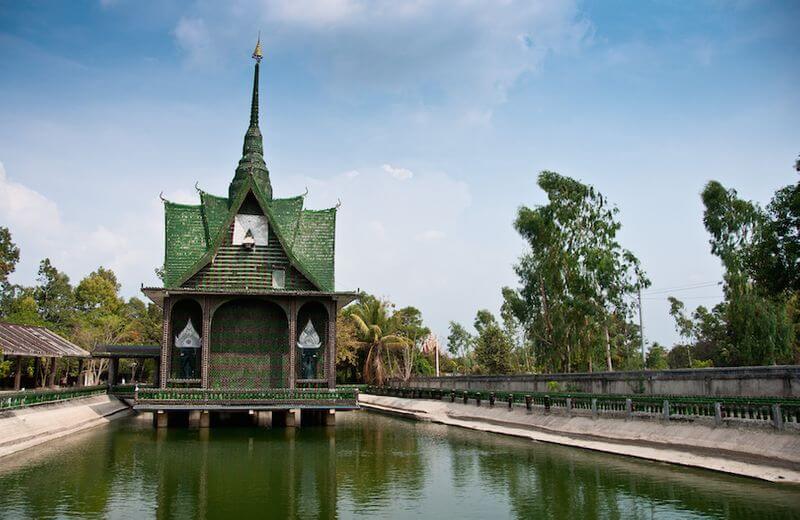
(757, 453)
(32, 426)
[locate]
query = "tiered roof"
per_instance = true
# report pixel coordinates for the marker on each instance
(195, 233)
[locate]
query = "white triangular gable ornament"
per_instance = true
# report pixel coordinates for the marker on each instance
(309, 337)
(188, 338)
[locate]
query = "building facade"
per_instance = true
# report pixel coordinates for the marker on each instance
(248, 297)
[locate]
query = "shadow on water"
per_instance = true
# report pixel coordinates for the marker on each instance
(368, 466)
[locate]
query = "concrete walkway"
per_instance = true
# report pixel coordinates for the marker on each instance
(29, 427)
(755, 453)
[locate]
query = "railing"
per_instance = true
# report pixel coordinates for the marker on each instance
(346, 397)
(776, 412)
(22, 399)
(127, 390)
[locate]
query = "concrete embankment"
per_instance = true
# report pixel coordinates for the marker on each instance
(747, 451)
(29, 427)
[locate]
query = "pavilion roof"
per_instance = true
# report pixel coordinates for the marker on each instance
(31, 341)
(127, 351)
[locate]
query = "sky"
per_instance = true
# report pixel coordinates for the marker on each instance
(429, 120)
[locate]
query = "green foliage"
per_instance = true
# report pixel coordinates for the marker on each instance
(571, 303)
(492, 346)
(9, 254)
(553, 386)
(657, 358)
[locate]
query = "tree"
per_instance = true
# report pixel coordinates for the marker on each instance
(657, 357)
(683, 325)
(492, 346)
(575, 279)
(55, 297)
(347, 349)
(376, 329)
(410, 326)
(759, 251)
(9, 254)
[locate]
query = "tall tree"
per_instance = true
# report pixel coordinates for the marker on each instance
(377, 330)
(55, 297)
(492, 346)
(575, 279)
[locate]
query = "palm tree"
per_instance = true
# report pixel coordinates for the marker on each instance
(376, 331)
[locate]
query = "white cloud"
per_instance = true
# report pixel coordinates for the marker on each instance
(401, 174)
(193, 37)
(440, 52)
(26, 210)
(430, 235)
(351, 174)
(129, 243)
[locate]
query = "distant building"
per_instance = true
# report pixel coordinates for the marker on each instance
(248, 296)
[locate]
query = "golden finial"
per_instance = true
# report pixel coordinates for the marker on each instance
(257, 54)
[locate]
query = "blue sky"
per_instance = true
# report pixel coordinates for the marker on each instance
(428, 119)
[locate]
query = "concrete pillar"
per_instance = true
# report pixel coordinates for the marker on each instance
(665, 410)
(205, 419)
(161, 419)
(330, 357)
(166, 344)
(777, 417)
(718, 413)
(628, 408)
(330, 418)
(264, 418)
(205, 350)
(292, 418)
(51, 376)
(194, 419)
(292, 344)
(18, 374)
(569, 406)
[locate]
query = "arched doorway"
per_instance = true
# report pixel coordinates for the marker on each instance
(249, 345)
(312, 327)
(187, 331)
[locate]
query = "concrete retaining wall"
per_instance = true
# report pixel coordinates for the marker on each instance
(29, 427)
(752, 452)
(771, 381)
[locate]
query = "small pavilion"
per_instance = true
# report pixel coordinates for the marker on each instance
(26, 341)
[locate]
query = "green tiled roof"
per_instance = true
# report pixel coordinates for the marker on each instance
(197, 235)
(194, 234)
(185, 239)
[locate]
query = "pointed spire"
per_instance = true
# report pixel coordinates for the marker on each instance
(252, 161)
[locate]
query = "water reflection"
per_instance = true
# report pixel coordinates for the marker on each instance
(368, 466)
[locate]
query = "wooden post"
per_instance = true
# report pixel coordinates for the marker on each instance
(51, 375)
(18, 374)
(80, 372)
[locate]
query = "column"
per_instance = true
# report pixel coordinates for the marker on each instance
(18, 374)
(166, 343)
(80, 372)
(112, 371)
(292, 343)
(331, 346)
(38, 368)
(51, 376)
(205, 352)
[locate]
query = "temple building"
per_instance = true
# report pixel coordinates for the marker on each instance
(248, 297)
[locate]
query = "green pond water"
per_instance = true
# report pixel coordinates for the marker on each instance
(368, 466)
